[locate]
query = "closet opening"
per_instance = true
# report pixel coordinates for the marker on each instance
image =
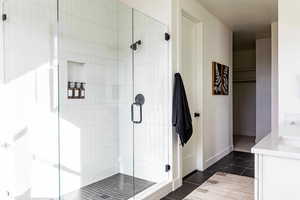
(251, 88)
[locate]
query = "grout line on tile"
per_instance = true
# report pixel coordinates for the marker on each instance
(243, 171)
(192, 183)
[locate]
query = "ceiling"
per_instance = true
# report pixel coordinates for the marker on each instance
(249, 19)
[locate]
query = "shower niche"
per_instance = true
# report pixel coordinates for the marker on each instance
(76, 80)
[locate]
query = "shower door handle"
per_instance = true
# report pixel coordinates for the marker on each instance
(132, 113)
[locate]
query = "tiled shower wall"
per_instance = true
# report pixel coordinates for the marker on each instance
(89, 127)
(125, 64)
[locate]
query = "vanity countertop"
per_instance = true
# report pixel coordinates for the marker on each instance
(285, 147)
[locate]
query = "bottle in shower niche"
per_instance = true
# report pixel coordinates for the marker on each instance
(77, 90)
(82, 91)
(70, 90)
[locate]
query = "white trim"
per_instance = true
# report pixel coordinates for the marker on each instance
(217, 157)
(176, 159)
(156, 192)
(258, 139)
(177, 183)
(259, 177)
(256, 175)
(274, 79)
(180, 158)
(199, 95)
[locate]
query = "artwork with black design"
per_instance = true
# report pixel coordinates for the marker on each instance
(220, 79)
(225, 80)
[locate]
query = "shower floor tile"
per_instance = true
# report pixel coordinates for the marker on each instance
(116, 187)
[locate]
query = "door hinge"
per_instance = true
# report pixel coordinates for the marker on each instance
(4, 17)
(167, 167)
(167, 36)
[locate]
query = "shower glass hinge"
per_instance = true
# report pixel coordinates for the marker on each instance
(135, 45)
(167, 167)
(167, 36)
(4, 17)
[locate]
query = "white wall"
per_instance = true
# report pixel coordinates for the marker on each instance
(288, 67)
(244, 93)
(263, 87)
(274, 86)
(217, 110)
(89, 127)
(158, 9)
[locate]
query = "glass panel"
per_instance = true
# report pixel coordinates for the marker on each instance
(96, 144)
(28, 104)
(152, 81)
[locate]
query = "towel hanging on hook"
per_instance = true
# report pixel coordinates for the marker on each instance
(181, 116)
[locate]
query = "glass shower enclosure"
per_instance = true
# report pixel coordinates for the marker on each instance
(86, 99)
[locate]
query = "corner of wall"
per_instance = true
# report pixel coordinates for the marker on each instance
(212, 160)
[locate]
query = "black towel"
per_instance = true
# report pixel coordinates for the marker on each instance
(181, 118)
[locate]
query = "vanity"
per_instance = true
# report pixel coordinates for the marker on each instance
(277, 168)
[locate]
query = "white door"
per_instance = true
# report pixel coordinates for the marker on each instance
(190, 77)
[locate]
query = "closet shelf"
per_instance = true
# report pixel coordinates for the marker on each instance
(245, 81)
(244, 69)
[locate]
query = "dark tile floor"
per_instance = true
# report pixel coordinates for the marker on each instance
(116, 187)
(239, 163)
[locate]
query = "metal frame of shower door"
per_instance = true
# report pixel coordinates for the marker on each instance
(2, 43)
(58, 97)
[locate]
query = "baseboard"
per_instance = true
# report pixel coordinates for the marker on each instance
(257, 139)
(217, 157)
(157, 192)
(177, 183)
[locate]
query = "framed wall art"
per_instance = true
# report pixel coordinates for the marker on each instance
(220, 79)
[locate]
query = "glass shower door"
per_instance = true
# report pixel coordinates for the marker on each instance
(151, 103)
(28, 104)
(96, 140)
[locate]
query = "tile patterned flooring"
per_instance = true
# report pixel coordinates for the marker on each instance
(116, 187)
(224, 186)
(238, 163)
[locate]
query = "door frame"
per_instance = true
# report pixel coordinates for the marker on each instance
(199, 83)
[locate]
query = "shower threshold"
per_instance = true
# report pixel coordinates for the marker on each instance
(116, 187)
